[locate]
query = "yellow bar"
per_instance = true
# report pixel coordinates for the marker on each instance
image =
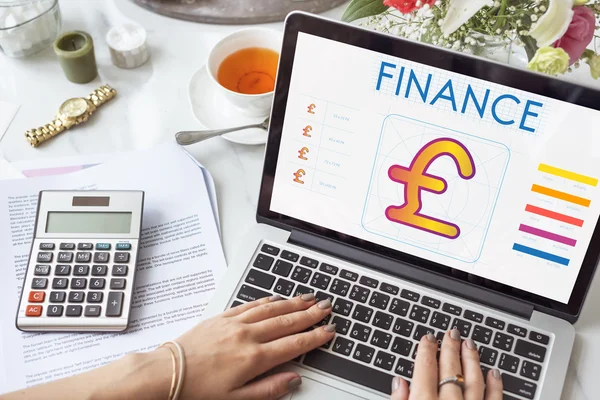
(561, 195)
(568, 175)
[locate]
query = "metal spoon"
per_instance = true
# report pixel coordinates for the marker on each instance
(185, 138)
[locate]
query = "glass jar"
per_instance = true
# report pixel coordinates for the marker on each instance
(28, 26)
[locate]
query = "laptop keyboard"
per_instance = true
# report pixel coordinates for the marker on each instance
(379, 324)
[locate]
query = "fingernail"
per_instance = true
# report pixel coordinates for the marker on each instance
(496, 373)
(324, 304)
(294, 383)
(471, 344)
(275, 298)
(431, 338)
(308, 296)
(455, 334)
(330, 328)
(396, 383)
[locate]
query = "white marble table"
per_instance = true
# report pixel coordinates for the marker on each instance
(153, 105)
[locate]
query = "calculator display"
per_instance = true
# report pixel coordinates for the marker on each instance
(88, 222)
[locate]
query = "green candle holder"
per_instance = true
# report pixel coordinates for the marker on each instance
(75, 51)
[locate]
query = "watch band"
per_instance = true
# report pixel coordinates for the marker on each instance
(101, 95)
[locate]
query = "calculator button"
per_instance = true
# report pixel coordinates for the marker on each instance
(123, 246)
(94, 297)
(76, 297)
(60, 283)
(78, 283)
(121, 257)
(62, 270)
(57, 297)
(119, 270)
(97, 283)
(33, 311)
(37, 297)
(67, 246)
(73, 311)
(46, 246)
(39, 283)
(117, 284)
(81, 270)
(85, 246)
(101, 257)
(99, 270)
(114, 304)
(41, 270)
(44, 256)
(83, 257)
(102, 246)
(65, 256)
(54, 311)
(92, 311)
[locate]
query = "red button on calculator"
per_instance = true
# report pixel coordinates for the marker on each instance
(36, 297)
(33, 311)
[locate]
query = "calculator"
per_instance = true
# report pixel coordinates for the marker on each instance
(81, 269)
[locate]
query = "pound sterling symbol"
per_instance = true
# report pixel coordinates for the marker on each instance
(302, 153)
(311, 108)
(299, 174)
(415, 178)
(306, 130)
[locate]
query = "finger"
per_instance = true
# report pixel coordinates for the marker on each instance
(288, 324)
(450, 364)
(472, 371)
(274, 309)
(270, 388)
(493, 390)
(232, 312)
(425, 376)
(399, 389)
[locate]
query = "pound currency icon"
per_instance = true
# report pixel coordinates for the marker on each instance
(302, 153)
(311, 108)
(306, 130)
(299, 174)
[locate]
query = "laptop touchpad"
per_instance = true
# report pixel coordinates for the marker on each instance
(311, 390)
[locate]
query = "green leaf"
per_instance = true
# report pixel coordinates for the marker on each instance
(358, 9)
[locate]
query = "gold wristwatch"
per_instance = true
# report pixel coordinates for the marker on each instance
(72, 112)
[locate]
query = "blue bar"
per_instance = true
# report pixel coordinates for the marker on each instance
(102, 246)
(123, 246)
(541, 254)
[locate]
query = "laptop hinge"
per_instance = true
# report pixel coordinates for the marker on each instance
(412, 273)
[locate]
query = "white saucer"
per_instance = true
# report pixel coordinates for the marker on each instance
(213, 111)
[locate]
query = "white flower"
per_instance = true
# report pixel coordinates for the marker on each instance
(553, 24)
(460, 11)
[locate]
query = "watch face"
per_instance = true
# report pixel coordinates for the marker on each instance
(73, 108)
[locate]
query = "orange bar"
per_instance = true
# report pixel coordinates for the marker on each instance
(554, 215)
(561, 195)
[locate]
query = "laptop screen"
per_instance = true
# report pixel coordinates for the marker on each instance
(467, 173)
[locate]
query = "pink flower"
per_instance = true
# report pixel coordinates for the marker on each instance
(579, 34)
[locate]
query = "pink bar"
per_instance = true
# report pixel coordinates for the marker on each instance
(548, 235)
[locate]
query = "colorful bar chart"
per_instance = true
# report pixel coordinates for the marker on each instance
(587, 180)
(554, 215)
(547, 235)
(561, 195)
(541, 254)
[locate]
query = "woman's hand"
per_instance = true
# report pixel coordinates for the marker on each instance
(455, 358)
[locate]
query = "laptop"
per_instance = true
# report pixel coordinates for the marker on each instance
(423, 190)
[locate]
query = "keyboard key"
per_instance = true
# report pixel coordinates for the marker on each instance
(269, 249)
(62, 270)
(309, 262)
(342, 346)
(403, 327)
(114, 304)
(399, 307)
(349, 370)
(85, 246)
(60, 283)
(83, 257)
(431, 302)
(99, 270)
(359, 293)
(57, 297)
(118, 284)
(41, 270)
(351, 276)
(419, 313)
(44, 257)
(324, 321)
(410, 295)
(362, 313)
(531, 370)
(379, 300)
(384, 360)
(421, 331)
(282, 268)
(484, 372)
(473, 316)
(440, 337)
(81, 270)
(39, 283)
(263, 261)
(288, 255)
(94, 297)
(342, 324)
(257, 278)
(320, 281)
(343, 307)
(92, 311)
(123, 246)
(405, 368)
(46, 246)
(55, 311)
(73, 311)
(518, 386)
(323, 296)
(508, 363)
(101, 257)
(494, 323)
(481, 334)
(463, 327)
(284, 287)
(530, 350)
(503, 341)
(360, 332)
(516, 330)
(488, 356)
(440, 321)
(391, 289)
(37, 296)
(340, 287)
(102, 246)
(381, 339)
(452, 309)
(67, 246)
(248, 293)
(401, 346)
(78, 283)
(64, 257)
(382, 320)
(76, 297)
(121, 257)
(328, 268)
(363, 353)
(119, 270)
(33, 311)
(370, 282)
(539, 337)
(300, 290)
(301, 274)
(97, 283)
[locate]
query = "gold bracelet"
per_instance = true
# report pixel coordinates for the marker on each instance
(174, 377)
(181, 374)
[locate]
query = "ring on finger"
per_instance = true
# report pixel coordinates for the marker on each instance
(457, 380)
